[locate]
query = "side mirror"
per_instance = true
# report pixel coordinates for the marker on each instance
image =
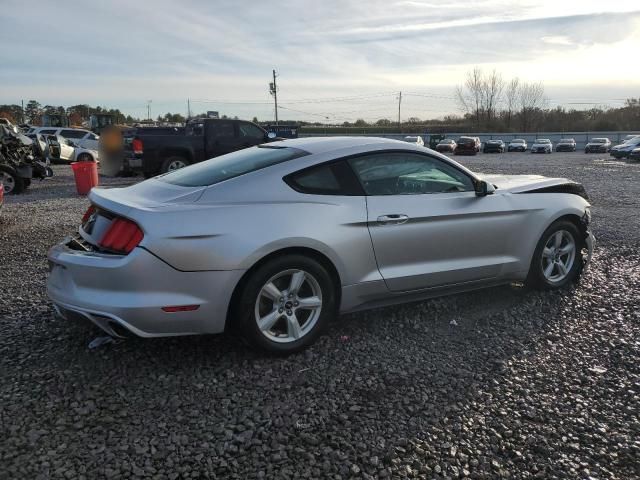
(271, 135)
(483, 188)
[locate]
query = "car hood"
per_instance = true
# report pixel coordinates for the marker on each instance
(523, 183)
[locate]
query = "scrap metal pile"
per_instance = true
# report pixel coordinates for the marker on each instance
(22, 159)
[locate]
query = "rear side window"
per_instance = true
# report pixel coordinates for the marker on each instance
(231, 165)
(250, 130)
(335, 178)
(73, 134)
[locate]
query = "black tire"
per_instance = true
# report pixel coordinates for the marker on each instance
(166, 165)
(244, 314)
(18, 182)
(536, 277)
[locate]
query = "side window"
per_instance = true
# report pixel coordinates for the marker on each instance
(47, 132)
(92, 137)
(250, 130)
(73, 134)
(194, 129)
(335, 178)
(223, 129)
(398, 173)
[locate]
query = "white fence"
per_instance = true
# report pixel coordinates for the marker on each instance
(581, 138)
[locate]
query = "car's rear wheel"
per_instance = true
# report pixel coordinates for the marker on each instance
(13, 184)
(286, 304)
(557, 260)
(173, 163)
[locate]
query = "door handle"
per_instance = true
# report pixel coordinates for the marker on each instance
(393, 219)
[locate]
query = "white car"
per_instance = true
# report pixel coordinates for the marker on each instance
(542, 145)
(80, 137)
(517, 145)
(414, 139)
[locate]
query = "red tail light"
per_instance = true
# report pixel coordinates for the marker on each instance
(122, 236)
(90, 211)
(137, 146)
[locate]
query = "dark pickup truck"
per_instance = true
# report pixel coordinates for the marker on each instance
(200, 140)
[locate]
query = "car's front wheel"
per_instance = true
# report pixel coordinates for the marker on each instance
(557, 259)
(286, 304)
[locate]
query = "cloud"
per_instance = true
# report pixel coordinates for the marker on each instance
(122, 53)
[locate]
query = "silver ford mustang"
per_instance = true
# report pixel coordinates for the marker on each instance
(276, 239)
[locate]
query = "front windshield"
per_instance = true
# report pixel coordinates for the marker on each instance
(599, 140)
(567, 140)
(517, 140)
(230, 165)
(543, 140)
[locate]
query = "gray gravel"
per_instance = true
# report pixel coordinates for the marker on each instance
(500, 383)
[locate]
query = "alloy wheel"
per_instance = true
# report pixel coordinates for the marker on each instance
(176, 165)
(288, 306)
(558, 256)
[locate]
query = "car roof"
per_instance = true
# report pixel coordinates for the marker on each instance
(315, 145)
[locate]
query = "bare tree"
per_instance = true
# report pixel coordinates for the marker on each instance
(492, 87)
(511, 97)
(470, 96)
(531, 100)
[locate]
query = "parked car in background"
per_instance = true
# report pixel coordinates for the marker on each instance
(414, 139)
(629, 137)
(566, 145)
(493, 146)
(517, 145)
(80, 137)
(598, 145)
(635, 154)
(467, 146)
(278, 239)
(201, 139)
(625, 149)
(60, 148)
(542, 145)
(446, 145)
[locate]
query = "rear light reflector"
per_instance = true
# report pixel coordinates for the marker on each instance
(180, 308)
(122, 236)
(90, 211)
(137, 146)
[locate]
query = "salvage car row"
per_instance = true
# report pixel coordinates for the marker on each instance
(629, 148)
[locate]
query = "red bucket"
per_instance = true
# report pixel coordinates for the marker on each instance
(86, 175)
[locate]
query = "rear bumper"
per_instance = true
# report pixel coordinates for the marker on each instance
(128, 292)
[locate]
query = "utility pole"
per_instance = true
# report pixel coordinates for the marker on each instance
(273, 90)
(149, 110)
(188, 109)
(22, 112)
(399, 102)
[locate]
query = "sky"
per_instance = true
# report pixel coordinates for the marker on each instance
(336, 60)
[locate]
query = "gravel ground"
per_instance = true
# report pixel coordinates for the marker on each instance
(499, 383)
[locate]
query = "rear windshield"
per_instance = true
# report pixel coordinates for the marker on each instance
(465, 140)
(231, 165)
